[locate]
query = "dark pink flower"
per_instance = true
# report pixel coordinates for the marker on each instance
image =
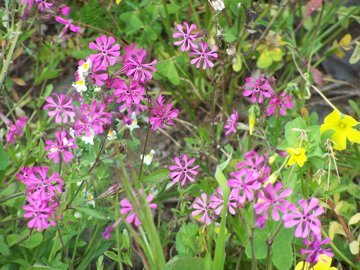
(305, 219)
(16, 130)
(182, 172)
(38, 211)
(43, 4)
(135, 66)
(161, 113)
(108, 53)
(269, 198)
(65, 10)
(129, 94)
(126, 208)
(217, 201)
(98, 75)
(257, 89)
(30, 3)
(24, 173)
(187, 36)
(255, 164)
(202, 208)
(231, 122)
(203, 55)
(68, 25)
(245, 184)
(61, 108)
(60, 147)
(281, 102)
(315, 248)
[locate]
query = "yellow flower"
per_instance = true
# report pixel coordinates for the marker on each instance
(296, 155)
(343, 127)
(324, 263)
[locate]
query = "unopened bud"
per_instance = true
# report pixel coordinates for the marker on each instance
(273, 158)
(272, 178)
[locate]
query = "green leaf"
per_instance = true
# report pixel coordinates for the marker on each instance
(4, 158)
(157, 176)
(133, 22)
(167, 69)
(112, 256)
(237, 63)
(4, 249)
(292, 131)
(282, 253)
(33, 241)
(260, 246)
(355, 57)
(186, 240)
(189, 263)
(91, 212)
(264, 60)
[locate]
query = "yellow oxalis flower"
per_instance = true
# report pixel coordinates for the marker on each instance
(297, 155)
(324, 263)
(343, 127)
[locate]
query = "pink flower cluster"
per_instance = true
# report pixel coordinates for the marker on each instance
(200, 51)
(41, 192)
(53, 7)
(260, 89)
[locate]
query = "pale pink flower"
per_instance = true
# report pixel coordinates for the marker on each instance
(255, 164)
(281, 102)
(182, 172)
(187, 36)
(305, 219)
(68, 25)
(257, 89)
(30, 3)
(61, 108)
(245, 184)
(161, 113)
(98, 75)
(217, 201)
(108, 51)
(202, 208)
(203, 55)
(231, 122)
(44, 4)
(60, 147)
(65, 10)
(16, 130)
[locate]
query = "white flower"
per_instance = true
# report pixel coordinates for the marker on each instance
(80, 85)
(149, 157)
(217, 5)
(89, 139)
(83, 70)
(133, 124)
(90, 199)
(111, 135)
(97, 89)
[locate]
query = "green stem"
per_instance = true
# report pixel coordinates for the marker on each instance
(117, 211)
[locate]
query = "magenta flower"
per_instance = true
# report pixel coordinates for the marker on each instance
(132, 94)
(281, 102)
(306, 220)
(315, 248)
(135, 66)
(204, 54)
(38, 211)
(202, 208)
(187, 36)
(91, 119)
(16, 130)
(128, 210)
(30, 3)
(24, 173)
(65, 10)
(231, 122)
(61, 109)
(161, 113)
(60, 147)
(217, 201)
(43, 4)
(181, 172)
(269, 198)
(257, 89)
(98, 75)
(245, 184)
(255, 164)
(68, 25)
(108, 53)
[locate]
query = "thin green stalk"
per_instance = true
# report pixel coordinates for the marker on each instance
(12, 196)
(117, 211)
(64, 247)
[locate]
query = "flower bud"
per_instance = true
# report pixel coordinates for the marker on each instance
(65, 10)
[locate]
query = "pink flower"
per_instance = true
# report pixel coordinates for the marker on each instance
(161, 113)
(217, 201)
(38, 211)
(231, 122)
(92, 118)
(43, 4)
(61, 109)
(107, 53)
(135, 66)
(98, 75)
(68, 25)
(61, 147)
(203, 55)
(255, 164)
(24, 173)
(187, 37)
(305, 219)
(128, 210)
(202, 208)
(281, 102)
(16, 130)
(315, 248)
(65, 10)
(257, 89)
(30, 3)
(245, 184)
(132, 94)
(182, 170)
(269, 198)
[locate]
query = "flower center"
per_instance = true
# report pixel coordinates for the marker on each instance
(342, 125)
